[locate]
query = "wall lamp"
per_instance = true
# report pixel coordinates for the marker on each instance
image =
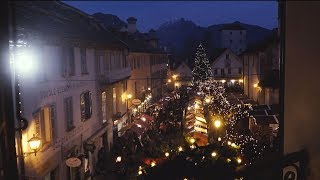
(34, 142)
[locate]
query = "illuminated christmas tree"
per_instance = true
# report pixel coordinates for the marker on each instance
(202, 70)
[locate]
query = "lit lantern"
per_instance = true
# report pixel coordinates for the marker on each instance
(34, 144)
(217, 123)
(129, 96)
(118, 159)
(239, 160)
(153, 163)
(214, 154)
(166, 154)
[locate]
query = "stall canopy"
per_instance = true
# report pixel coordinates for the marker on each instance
(146, 117)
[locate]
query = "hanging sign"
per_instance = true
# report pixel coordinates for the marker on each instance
(136, 102)
(294, 166)
(73, 162)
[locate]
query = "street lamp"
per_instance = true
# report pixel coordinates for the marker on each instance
(239, 160)
(174, 76)
(129, 96)
(214, 154)
(217, 123)
(167, 154)
(118, 159)
(34, 144)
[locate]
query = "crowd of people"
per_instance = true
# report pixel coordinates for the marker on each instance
(164, 131)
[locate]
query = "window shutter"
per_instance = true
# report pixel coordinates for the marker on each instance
(53, 120)
(71, 61)
(63, 62)
(37, 123)
(82, 106)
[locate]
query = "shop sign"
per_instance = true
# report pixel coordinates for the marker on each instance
(295, 165)
(136, 102)
(73, 162)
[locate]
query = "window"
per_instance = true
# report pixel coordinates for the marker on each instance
(222, 72)
(138, 63)
(227, 56)
(125, 61)
(104, 106)
(229, 70)
(114, 100)
(83, 57)
(230, 32)
(240, 41)
(230, 41)
(67, 64)
(63, 67)
(240, 32)
(44, 122)
(101, 64)
(70, 55)
(68, 113)
(85, 105)
(240, 70)
(107, 61)
(215, 71)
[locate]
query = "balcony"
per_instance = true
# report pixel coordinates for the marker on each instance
(115, 75)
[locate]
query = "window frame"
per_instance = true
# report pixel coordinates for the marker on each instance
(69, 125)
(84, 115)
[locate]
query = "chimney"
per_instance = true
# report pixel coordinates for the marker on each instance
(132, 24)
(153, 39)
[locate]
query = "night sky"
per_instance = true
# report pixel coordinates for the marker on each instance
(151, 14)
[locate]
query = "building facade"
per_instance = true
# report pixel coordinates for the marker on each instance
(181, 75)
(148, 63)
(233, 37)
(72, 91)
(227, 66)
(261, 71)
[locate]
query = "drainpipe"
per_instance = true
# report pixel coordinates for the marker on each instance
(7, 130)
(15, 92)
